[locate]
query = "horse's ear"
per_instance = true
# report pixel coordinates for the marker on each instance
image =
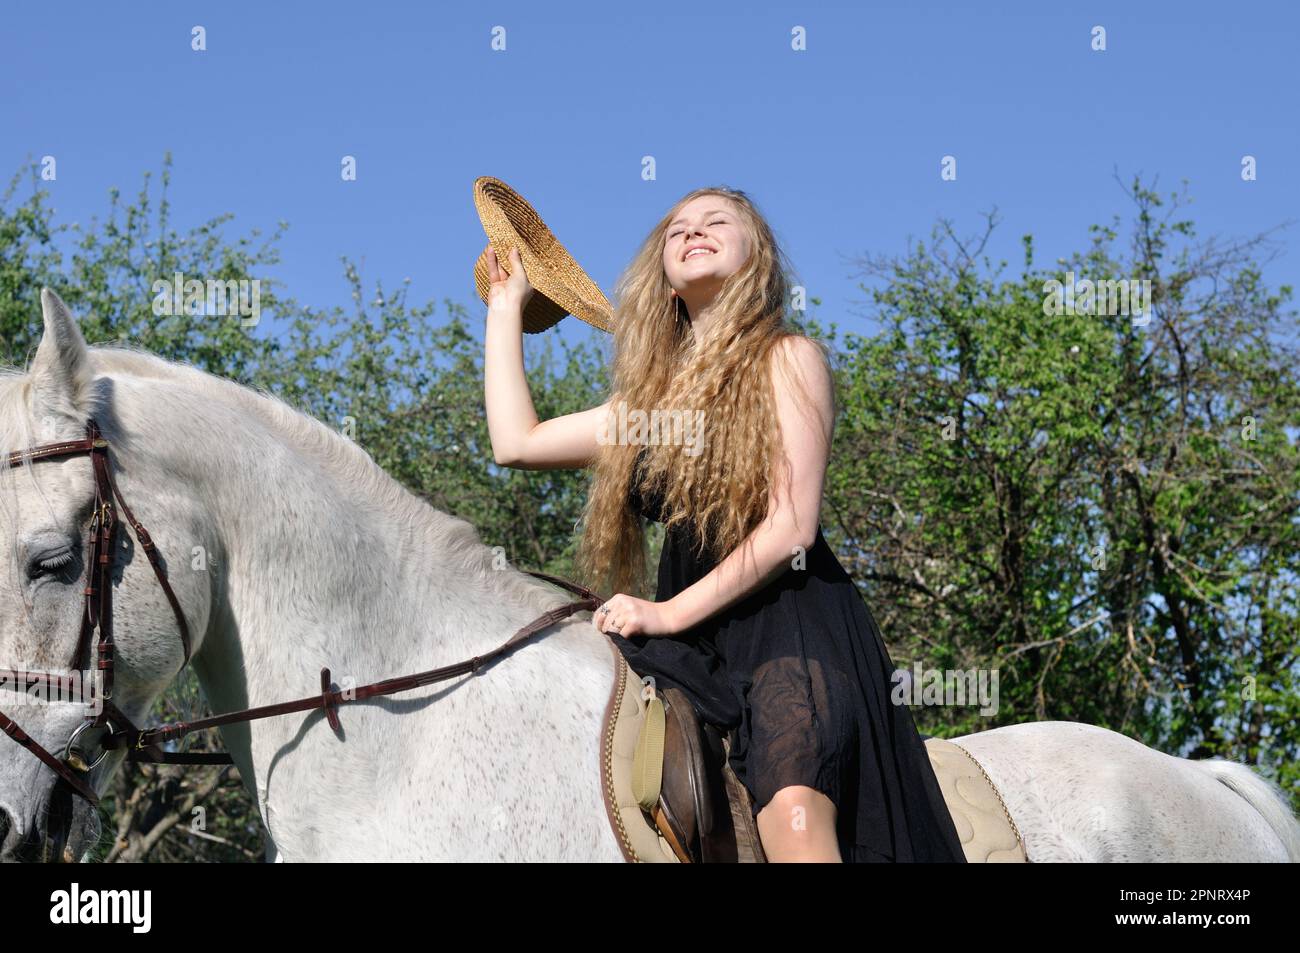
(60, 373)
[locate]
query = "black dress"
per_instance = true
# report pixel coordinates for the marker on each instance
(799, 669)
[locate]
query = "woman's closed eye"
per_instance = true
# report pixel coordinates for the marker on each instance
(679, 231)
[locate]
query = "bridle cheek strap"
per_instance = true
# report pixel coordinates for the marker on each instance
(97, 617)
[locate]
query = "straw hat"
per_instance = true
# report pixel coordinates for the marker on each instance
(560, 286)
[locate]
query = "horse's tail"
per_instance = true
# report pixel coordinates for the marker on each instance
(1263, 795)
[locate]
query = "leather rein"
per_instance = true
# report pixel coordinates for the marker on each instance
(110, 728)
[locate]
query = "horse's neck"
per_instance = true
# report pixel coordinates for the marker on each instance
(318, 574)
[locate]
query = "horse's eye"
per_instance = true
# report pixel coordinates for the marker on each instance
(48, 565)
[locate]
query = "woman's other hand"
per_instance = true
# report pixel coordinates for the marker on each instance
(625, 615)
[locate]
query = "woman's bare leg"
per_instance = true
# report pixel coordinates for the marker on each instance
(798, 825)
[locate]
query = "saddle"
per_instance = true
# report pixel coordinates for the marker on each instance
(670, 794)
(672, 797)
(681, 778)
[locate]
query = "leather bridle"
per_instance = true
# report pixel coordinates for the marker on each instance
(109, 729)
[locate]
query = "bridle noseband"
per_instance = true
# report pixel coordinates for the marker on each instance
(115, 729)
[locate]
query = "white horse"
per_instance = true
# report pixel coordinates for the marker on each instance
(290, 550)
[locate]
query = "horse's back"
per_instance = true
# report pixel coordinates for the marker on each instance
(1080, 792)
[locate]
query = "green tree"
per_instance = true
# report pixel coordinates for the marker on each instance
(1103, 511)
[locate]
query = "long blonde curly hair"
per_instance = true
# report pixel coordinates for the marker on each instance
(720, 493)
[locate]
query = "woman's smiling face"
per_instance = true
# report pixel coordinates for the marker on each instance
(705, 243)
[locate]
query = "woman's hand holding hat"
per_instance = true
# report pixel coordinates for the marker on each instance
(507, 290)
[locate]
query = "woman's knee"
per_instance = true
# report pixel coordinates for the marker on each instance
(800, 806)
(798, 823)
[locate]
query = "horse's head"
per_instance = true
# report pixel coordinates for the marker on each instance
(47, 507)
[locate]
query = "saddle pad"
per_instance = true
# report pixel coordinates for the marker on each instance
(986, 830)
(639, 840)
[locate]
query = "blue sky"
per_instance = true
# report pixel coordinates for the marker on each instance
(840, 144)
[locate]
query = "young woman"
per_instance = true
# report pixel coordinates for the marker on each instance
(754, 618)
